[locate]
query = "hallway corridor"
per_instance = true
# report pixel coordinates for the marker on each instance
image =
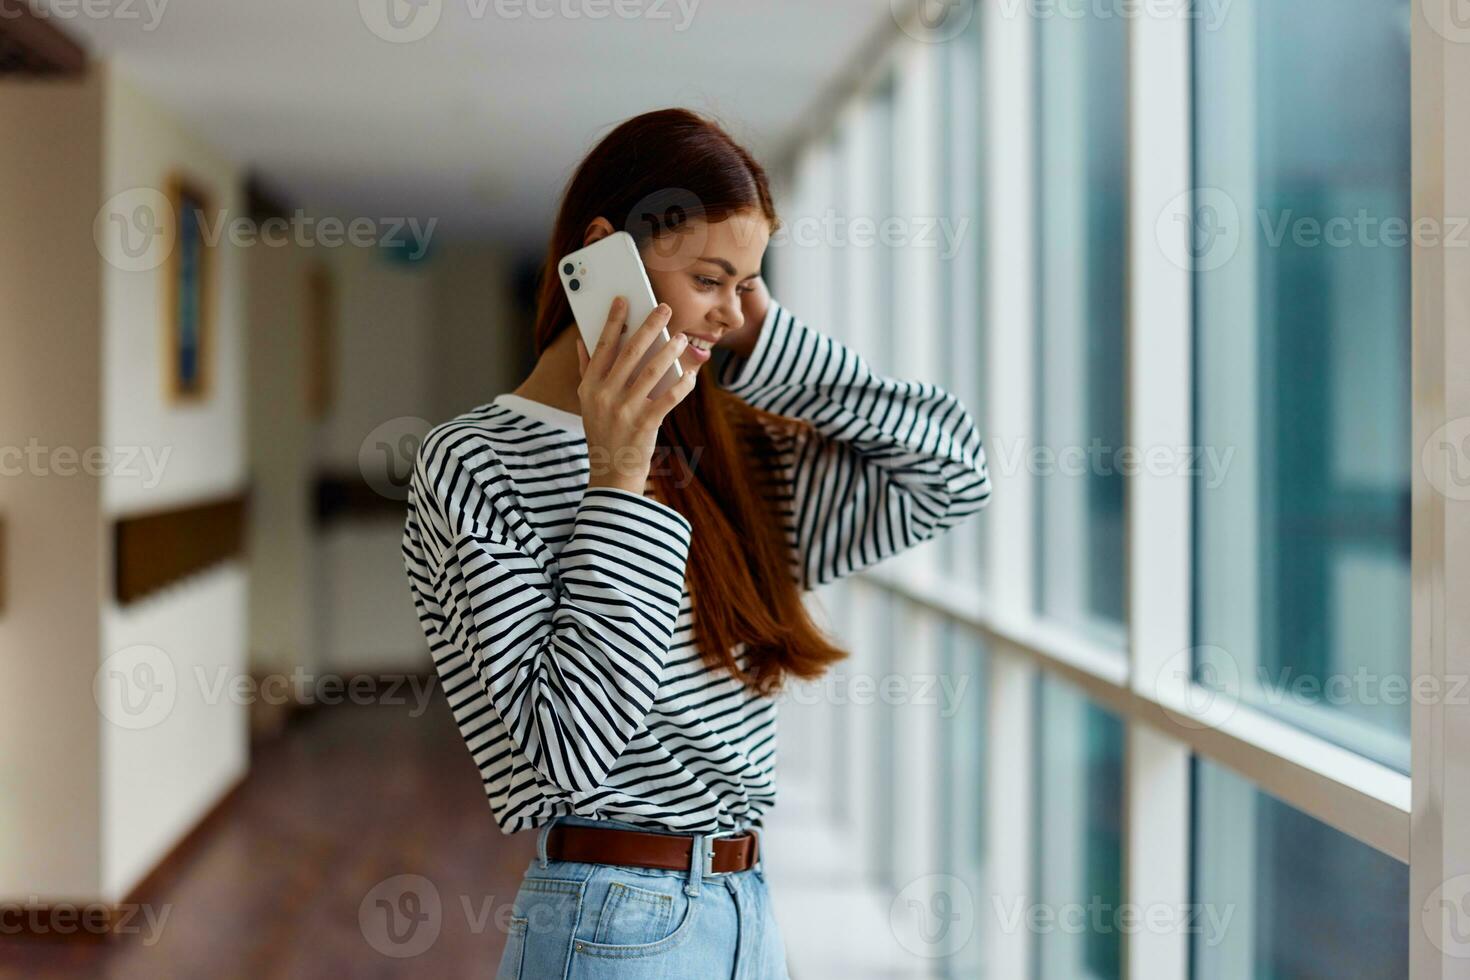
(1189, 280)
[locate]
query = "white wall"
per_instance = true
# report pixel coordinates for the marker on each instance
(383, 353)
(481, 344)
(50, 806)
(281, 552)
(159, 780)
(366, 620)
(427, 341)
(88, 806)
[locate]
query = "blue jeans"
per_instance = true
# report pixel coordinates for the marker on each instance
(573, 920)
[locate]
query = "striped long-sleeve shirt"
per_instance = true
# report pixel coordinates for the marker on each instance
(558, 616)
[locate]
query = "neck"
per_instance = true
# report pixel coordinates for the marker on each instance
(554, 379)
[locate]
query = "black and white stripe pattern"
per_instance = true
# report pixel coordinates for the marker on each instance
(557, 614)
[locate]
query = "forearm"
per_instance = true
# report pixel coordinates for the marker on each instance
(888, 463)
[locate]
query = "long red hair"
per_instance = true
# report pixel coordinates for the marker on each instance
(648, 177)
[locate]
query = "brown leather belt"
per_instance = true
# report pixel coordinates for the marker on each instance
(724, 852)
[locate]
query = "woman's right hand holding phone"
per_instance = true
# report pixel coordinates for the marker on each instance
(619, 419)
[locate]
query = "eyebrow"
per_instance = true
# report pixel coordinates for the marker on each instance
(729, 269)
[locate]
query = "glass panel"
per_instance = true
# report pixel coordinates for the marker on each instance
(1302, 364)
(836, 199)
(1281, 895)
(962, 744)
(1081, 139)
(962, 268)
(881, 131)
(1079, 836)
(886, 733)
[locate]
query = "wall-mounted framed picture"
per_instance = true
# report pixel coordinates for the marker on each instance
(320, 338)
(189, 293)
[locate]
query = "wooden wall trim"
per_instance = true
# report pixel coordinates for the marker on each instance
(348, 497)
(262, 201)
(153, 550)
(31, 45)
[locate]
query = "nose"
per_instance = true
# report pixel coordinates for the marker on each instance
(728, 314)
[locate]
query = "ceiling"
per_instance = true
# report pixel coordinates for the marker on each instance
(479, 122)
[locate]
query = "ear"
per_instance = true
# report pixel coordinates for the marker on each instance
(599, 228)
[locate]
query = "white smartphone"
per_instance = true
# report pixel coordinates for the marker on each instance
(593, 275)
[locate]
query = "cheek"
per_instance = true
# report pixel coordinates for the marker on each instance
(687, 316)
(690, 308)
(669, 289)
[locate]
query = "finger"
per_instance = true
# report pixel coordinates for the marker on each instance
(658, 365)
(677, 392)
(638, 343)
(607, 341)
(583, 358)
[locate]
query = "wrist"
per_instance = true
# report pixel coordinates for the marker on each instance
(631, 482)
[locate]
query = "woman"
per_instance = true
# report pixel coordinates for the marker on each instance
(611, 585)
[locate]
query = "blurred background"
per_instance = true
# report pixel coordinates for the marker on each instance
(1146, 715)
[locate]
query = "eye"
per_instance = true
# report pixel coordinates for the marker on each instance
(707, 282)
(746, 287)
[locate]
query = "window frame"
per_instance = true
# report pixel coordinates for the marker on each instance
(1424, 820)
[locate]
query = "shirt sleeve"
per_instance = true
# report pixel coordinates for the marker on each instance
(890, 463)
(569, 661)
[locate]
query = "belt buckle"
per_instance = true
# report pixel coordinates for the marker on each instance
(709, 852)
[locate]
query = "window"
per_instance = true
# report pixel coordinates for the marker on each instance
(1080, 154)
(1269, 327)
(1278, 894)
(962, 265)
(881, 195)
(962, 750)
(1079, 854)
(1302, 365)
(890, 641)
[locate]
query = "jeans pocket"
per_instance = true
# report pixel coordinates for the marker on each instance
(515, 950)
(632, 916)
(637, 916)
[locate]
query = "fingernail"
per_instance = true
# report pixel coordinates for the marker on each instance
(683, 340)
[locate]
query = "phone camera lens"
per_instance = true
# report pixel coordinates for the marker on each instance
(568, 268)
(574, 285)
